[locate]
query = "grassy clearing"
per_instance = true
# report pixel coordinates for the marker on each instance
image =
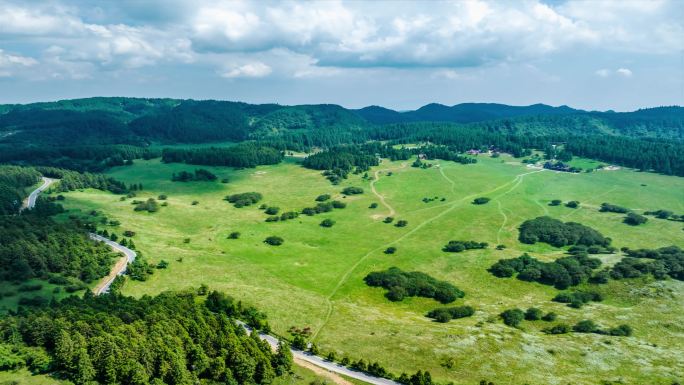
(315, 278)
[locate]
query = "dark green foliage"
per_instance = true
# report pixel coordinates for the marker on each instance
(481, 200)
(200, 175)
(288, 215)
(32, 246)
(274, 240)
(390, 250)
(178, 338)
(244, 199)
(664, 214)
(585, 326)
(242, 155)
(373, 205)
(609, 208)
(459, 246)
(621, 331)
(512, 317)
(562, 273)
(341, 160)
(234, 235)
(139, 269)
(533, 314)
(401, 223)
(549, 317)
(572, 204)
(352, 190)
(558, 329)
(149, 205)
(577, 299)
(322, 198)
(633, 219)
(388, 220)
(640, 139)
(411, 284)
(323, 207)
(327, 223)
(555, 202)
(559, 234)
(663, 262)
(272, 210)
(448, 313)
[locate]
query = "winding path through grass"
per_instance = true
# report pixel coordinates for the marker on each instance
(452, 205)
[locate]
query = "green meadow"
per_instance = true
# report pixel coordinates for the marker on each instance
(315, 278)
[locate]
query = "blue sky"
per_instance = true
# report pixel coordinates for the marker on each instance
(619, 55)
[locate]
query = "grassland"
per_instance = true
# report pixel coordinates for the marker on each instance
(315, 278)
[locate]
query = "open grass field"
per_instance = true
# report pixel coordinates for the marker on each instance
(315, 278)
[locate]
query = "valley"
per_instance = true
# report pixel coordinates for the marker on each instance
(315, 278)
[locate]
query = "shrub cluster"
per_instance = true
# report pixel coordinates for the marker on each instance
(274, 240)
(446, 314)
(481, 200)
(149, 205)
(662, 262)
(200, 175)
(244, 199)
(610, 208)
(633, 219)
(352, 190)
(562, 273)
(323, 207)
(459, 246)
(554, 232)
(401, 284)
(577, 299)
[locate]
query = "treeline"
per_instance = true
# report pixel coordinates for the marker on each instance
(32, 246)
(92, 158)
(556, 233)
(241, 155)
(73, 180)
(662, 156)
(346, 158)
(401, 284)
(173, 338)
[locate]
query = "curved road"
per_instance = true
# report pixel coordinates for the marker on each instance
(30, 202)
(120, 266)
(118, 269)
(321, 363)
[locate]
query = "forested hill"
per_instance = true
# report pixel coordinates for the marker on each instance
(119, 120)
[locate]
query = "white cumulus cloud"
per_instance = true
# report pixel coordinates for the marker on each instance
(249, 70)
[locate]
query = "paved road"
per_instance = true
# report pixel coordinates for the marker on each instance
(327, 365)
(119, 268)
(30, 202)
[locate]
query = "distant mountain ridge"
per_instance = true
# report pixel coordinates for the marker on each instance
(105, 120)
(460, 113)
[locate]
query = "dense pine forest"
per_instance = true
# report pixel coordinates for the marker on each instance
(174, 338)
(97, 133)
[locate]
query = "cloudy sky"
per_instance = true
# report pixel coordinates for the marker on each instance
(618, 55)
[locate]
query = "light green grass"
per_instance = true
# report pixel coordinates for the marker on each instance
(316, 277)
(24, 377)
